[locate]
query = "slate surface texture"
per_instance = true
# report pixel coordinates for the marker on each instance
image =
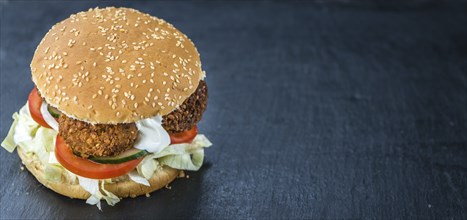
(317, 110)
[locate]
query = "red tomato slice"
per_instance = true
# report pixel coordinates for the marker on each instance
(184, 137)
(87, 168)
(35, 102)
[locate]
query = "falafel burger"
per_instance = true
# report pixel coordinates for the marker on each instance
(113, 114)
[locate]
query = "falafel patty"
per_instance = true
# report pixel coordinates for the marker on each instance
(189, 113)
(102, 140)
(97, 140)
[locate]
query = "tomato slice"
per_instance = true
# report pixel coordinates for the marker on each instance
(34, 103)
(87, 168)
(184, 137)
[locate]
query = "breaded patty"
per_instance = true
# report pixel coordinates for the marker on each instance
(189, 112)
(100, 140)
(97, 140)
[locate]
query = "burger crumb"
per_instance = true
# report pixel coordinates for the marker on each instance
(168, 187)
(181, 174)
(148, 195)
(22, 168)
(188, 176)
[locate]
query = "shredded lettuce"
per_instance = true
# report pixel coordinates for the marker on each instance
(137, 178)
(186, 156)
(53, 173)
(22, 129)
(9, 143)
(109, 197)
(147, 167)
(35, 139)
(92, 186)
(26, 127)
(30, 136)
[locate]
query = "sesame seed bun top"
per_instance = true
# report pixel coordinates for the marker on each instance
(115, 65)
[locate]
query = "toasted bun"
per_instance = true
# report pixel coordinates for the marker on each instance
(115, 65)
(72, 189)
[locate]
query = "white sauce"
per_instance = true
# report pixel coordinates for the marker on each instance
(152, 136)
(48, 117)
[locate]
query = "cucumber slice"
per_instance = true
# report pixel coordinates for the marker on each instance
(53, 111)
(128, 155)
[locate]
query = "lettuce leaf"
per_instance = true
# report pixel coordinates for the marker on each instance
(134, 176)
(92, 186)
(30, 136)
(9, 143)
(53, 173)
(186, 156)
(148, 166)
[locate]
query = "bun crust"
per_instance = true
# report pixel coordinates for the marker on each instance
(122, 189)
(115, 65)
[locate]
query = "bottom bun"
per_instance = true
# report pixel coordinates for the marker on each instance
(123, 189)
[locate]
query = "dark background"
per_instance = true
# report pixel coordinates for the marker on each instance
(340, 109)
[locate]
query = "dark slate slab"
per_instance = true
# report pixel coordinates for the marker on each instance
(316, 110)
